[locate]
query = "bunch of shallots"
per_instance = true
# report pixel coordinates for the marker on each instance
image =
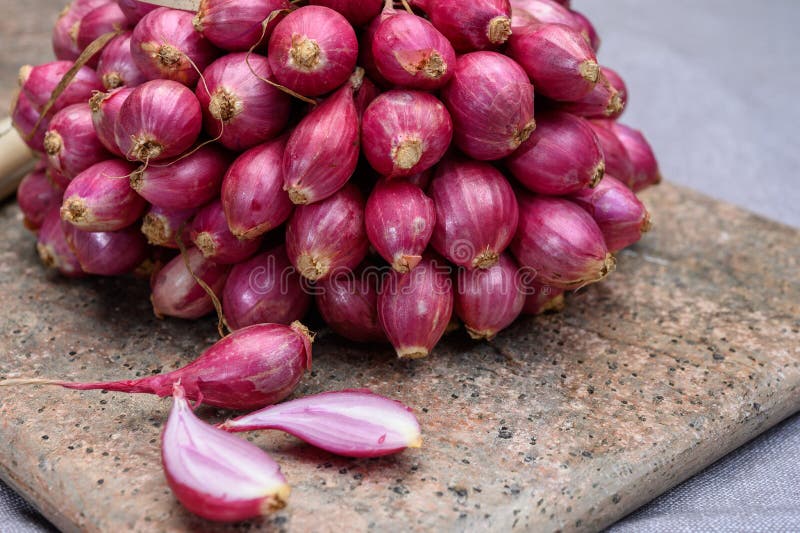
(382, 162)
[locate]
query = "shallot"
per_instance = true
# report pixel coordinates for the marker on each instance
(162, 226)
(175, 291)
(39, 82)
(105, 109)
(645, 166)
(353, 423)
(37, 195)
(238, 25)
(53, 249)
(349, 304)
(116, 66)
(474, 25)
(105, 18)
(71, 143)
(25, 118)
(215, 475)
(107, 253)
(212, 236)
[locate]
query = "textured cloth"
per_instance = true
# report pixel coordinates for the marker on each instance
(713, 85)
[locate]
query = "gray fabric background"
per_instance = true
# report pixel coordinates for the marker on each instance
(713, 84)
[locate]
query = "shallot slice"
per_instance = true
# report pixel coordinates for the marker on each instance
(353, 423)
(215, 475)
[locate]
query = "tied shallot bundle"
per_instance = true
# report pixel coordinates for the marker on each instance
(336, 152)
(384, 163)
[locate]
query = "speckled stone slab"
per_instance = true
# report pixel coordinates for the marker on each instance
(564, 422)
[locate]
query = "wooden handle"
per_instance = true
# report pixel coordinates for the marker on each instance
(15, 159)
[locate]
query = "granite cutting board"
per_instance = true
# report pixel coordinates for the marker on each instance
(564, 422)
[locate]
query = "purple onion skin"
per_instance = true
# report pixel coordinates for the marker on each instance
(211, 235)
(107, 253)
(410, 53)
(366, 59)
(328, 237)
(559, 62)
(175, 293)
(185, 183)
(37, 195)
(135, 10)
(116, 66)
(39, 82)
(618, 212)
(71, 143)
(100, 199)
(561, 242)
(161, 226)
(236, 25)
(246, 370)
(352, 423)
(357, 12)
(64, 46)
(214, 475)
(489, 300)
(158, 120)
(604, 101)
(164, 41)
(476, 213)
(313, 50)
(252, 191)
(645, 166)
(239, 108)
(365, 95)
(400, 220)
(475, 25)
(546, 11)
(561, 157)
(328, 133)
(587, 29)
(24, 118)
(349, 304)
(491, 102)
(105, 109)
(543, 299)
(53, 249)
(265, 288)
(405, 132)
(101, 20)
(618, 163)
(415, 308)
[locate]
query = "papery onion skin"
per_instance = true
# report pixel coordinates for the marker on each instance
(99, 21)
(116, 67)
(415, 308)
(187, 182)
(313, 50)
(211, 235)
(330, 132)
(164, 42)
(135, 10)
(25, 117)
(489, 300)
(329, 236)
(236, 25)
(240, 109)
(357, 12)
(400, 220)
(161, 226)
(265, 288)
(158, 120)
(476, 212)
(561, 157)
(491, 102)
(561, 65)
(100, 199)
(252, 191)
(618, 163)
(215, 475)
(619, 214)
(352, 423)
(410, 53)
(64, 46)
(53, 249)
(105, 109)
(39, 82)
(561, 242)
(37, 195)
(474, 25)
(349, 304)
(405, 132)
(175, 292)
(107, 253)
(71, 143)
(645, 165)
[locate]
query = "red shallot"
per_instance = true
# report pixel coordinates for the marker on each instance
(474, 25)
(39, 82)
(53, 249)
(237, 25)
(116, 66)
(107, 253)
(37, 195)
(645, 166)
(176, 293)
(349, 304)
(105, 109)
(211, 235)
(161, 226)
(71, 143)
